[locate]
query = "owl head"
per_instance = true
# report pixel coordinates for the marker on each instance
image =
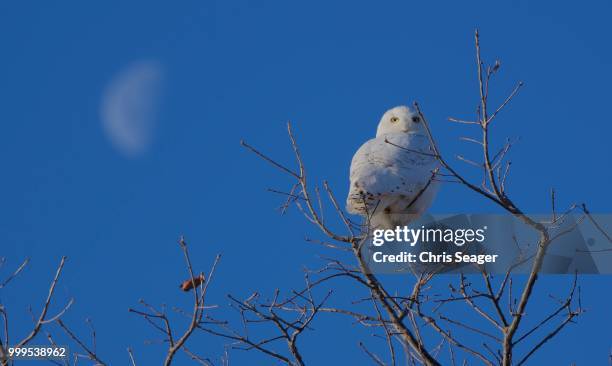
(399, 120)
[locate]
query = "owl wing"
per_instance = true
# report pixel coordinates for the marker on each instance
(382, 173)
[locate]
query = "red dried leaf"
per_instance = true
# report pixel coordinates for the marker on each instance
(188, 284)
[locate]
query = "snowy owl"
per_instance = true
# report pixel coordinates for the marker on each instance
(386, 179)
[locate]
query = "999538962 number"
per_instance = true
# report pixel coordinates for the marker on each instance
(37, 352)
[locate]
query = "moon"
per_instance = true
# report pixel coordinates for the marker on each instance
(129, 107)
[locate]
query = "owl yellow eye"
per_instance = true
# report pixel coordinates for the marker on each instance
(394, 119)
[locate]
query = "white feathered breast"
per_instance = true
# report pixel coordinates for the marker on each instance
(385, 178)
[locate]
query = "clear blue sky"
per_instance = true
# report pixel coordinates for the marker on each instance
(241, 69)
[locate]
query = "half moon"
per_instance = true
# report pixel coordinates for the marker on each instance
(129, 107)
